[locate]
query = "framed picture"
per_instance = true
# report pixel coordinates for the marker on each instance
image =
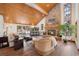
(52, 21)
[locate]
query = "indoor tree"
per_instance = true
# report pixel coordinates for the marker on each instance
(66, 29)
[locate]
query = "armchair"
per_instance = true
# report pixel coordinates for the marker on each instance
(44, 46)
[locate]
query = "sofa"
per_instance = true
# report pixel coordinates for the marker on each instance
(4, 42)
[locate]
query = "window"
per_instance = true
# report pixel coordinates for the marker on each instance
(41, 26)
(67, 13)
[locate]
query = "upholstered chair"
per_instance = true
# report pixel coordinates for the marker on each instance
(44, 46)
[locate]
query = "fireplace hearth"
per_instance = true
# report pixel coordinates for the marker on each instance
(52, 32)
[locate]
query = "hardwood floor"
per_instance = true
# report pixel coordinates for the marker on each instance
(62, 49)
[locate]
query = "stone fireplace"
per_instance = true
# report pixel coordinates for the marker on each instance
(52, 32)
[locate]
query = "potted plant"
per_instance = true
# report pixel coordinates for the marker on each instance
(66, 29)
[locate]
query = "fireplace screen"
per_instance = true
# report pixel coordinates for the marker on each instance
(52, 32)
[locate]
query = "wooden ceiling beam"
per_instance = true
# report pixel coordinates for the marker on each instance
(35, 6)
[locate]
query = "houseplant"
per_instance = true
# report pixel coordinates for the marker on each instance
(66, 29)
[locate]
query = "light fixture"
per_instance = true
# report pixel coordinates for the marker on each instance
(32, 25)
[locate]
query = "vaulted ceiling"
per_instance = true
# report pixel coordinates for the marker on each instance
(25, 13)
(46, 6)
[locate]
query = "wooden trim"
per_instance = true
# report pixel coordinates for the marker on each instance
(71, 41)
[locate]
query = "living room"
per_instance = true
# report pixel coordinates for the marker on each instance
(35, 29)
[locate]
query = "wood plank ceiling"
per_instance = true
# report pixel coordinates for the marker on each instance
(46, 6)
(22, 13)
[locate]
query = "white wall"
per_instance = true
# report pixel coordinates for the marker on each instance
(11, 28)
(77, 16)
(1, 25)
(41, 22)
(77, 40)
(62, 12)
